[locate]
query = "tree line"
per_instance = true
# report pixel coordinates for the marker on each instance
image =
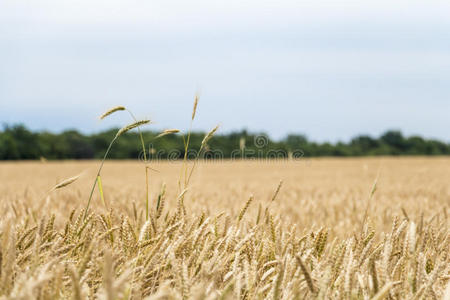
(17, 143)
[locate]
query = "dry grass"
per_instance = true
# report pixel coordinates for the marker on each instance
(237, 234)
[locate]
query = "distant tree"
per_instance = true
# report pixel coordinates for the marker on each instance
(436, 148)
(78, 146)
(341, 149)
(296, 141)
(20, 143)
(17, 142)
(8, 147)
(363, 145)
(395, 140)
(416, 146)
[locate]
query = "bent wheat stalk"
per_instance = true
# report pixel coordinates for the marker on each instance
(147, 190)
(120, 108)
(207, 137)
(111, 111)
(65, 182)
(167, 132)
(186, 144)
(62, 184)
(119, 133)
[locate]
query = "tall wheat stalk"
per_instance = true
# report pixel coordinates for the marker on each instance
(121, 131)
(186, 142)
(147, 191)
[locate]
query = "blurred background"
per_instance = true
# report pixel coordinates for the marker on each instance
(327, 71)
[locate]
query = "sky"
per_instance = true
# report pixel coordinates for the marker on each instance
(328, 69)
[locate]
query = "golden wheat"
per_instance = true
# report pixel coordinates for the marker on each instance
(131, 126)
(167, 132)
(183, 257)
(321, 239)
(111, 111)
(208, 136)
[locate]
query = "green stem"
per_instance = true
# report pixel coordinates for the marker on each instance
(193, 167)
(96, 178)
(186, 147)
(181, 169)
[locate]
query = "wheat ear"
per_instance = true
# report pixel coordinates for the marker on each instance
(111, 111)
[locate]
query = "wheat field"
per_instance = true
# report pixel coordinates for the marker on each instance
(360, 228)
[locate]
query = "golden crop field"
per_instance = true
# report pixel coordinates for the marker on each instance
(235, 233)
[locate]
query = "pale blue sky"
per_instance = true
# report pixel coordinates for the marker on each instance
(329, 69)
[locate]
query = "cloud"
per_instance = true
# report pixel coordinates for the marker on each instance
(180, 15)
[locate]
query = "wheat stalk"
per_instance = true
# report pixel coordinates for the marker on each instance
(131, 126)
(194, 109)
(208, 136)
(118, 134)
(205, 140)
(167, 132)
(65, 182)
(111, 111)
